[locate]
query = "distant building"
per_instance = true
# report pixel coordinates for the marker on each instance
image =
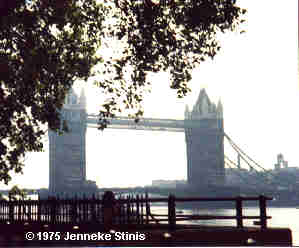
(240, 177)
(90, 184)
(279, 158)
(277, 166)
(168, 183)
(281, 163)
(285, 164)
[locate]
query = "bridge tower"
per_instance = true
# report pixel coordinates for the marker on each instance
(205, 148)
(67, 151)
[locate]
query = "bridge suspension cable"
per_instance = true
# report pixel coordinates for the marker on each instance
(244, 159)
(271, 178)
(240, 151)
(264, 177)
(229, 163)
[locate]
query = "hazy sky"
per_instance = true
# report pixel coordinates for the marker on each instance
(256, 77)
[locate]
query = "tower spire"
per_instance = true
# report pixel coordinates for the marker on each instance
(203, 103)
(71, 97)
(82, 99)
(187, 112)
(220, 109)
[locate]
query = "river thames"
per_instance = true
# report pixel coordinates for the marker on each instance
(281, 217)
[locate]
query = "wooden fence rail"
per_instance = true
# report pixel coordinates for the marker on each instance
(124, 210)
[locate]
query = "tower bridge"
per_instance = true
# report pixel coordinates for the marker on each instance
(150, 124)
(204, 133)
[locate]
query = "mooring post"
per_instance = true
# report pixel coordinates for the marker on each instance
(239, 212)
(171, 212)
(263, 214)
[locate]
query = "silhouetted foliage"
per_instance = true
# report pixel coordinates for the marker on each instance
(174, 36)
(45, 45)
(43, 48)
(17, 194)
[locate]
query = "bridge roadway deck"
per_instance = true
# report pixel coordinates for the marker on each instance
(150, 124)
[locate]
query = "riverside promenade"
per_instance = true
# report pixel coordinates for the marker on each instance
(128, 221)
(150, 235)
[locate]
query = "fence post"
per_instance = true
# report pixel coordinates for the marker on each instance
(93, 209)
(39, 206)
(138, 209)
(29, 210)
(263, 214)
(128, 209)
(73, 210)
(171, 212)
(142, 210)
(53, 210)
(239, 212)
(147, 208)
(108, 205)
(19, 215)
(11, 210)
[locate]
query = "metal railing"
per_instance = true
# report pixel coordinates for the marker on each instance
(124, 210)
(173, 217)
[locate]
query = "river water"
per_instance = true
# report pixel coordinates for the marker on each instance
(281, 217)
